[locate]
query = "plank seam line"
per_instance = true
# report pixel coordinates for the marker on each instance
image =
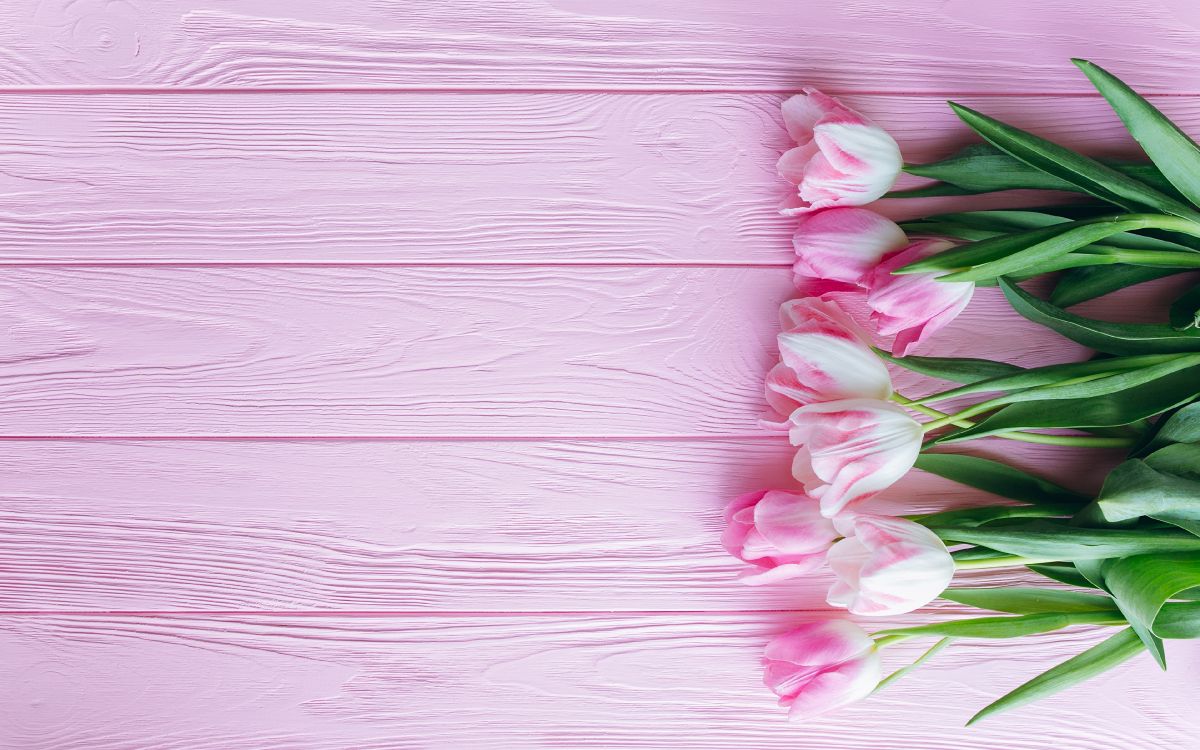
(387, 264)
(325, 613)
(155, 90)
(409, 438)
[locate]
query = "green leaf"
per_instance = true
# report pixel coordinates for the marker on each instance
(1051, 541)
(1082, 284)
(1145, 582)
(983, 168)
(1000, 479)
(1106, 410)
(1185, 311)
(1086, 174)
(1009, 627)
(1094, 571)
(984, 251)
(1175, 155)
(936, 190)
(1136, 488)
(1041, 252)
(954, 369)
(1091, 371)
(1063, 573)
(1178, 620)
(1096, 660)
(1026, 601)
(1113, 338)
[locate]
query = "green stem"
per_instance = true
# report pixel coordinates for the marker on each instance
(958, 420)
(933, 650)
(1000, 561)
(1154, 258)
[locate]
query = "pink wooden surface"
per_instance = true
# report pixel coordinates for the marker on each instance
(372, 374)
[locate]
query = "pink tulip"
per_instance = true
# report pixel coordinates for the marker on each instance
(843, 244)
(914, 306)
(841, 158)
(889, 566)
(851, 450)
(824, 356)
(781, 533)
(821, 666)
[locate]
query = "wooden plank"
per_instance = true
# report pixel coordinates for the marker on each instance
(404, 526)
(255, 682)
(447, 178)
(624, 44)
(423, 352)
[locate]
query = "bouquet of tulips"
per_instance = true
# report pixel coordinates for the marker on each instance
(1128, 558)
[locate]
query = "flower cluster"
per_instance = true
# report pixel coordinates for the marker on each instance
(855, 436)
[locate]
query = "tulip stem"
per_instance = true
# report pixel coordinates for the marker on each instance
(1002, 561)
(929, 654)
(943, 419)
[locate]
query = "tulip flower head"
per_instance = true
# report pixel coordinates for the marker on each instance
(824, 356)
(851, 450)
(781, 533)
(914, 306)
(820, 667)
(889, 566)
(841, 158)
(843, 245)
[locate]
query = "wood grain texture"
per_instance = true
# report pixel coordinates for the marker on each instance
(107, 682)
(629, 44)
(448, 178)
(405, 526)
(502, 351)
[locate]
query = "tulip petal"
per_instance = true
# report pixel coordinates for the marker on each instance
(820, 643)
(844, 244)
(835, 688)
(792, 524)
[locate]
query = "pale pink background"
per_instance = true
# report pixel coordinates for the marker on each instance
(372, 373)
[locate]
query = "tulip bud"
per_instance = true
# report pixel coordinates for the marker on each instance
(841, 158)
(914, 306)
(820, 667)
(889, 566)
(824, 356)
(782, 533)
(851, 450)
(843, 244)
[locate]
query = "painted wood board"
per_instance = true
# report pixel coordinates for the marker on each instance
(433, 352)
(254, 682)
(449, 178)
(627, 44)
(368, 525)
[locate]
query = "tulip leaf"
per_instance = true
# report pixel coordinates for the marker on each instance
(1183, 426)
(1110, 409)
(1086, 174)
(1000, 479)
(954, 369)
(983, 168)
(1144, 583)
(1113, 338)
(1185, 311)
(985, 251)
(1138, 488)
(1094, 571)
(1048, 379)
(1178, 620)
(1009, 627)
(1063, 573)
(1175, 154)
(1028, 601)
(1038, 254)
(935, 190)
(1051, 540)
(1082, 284)
(1098, 659)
